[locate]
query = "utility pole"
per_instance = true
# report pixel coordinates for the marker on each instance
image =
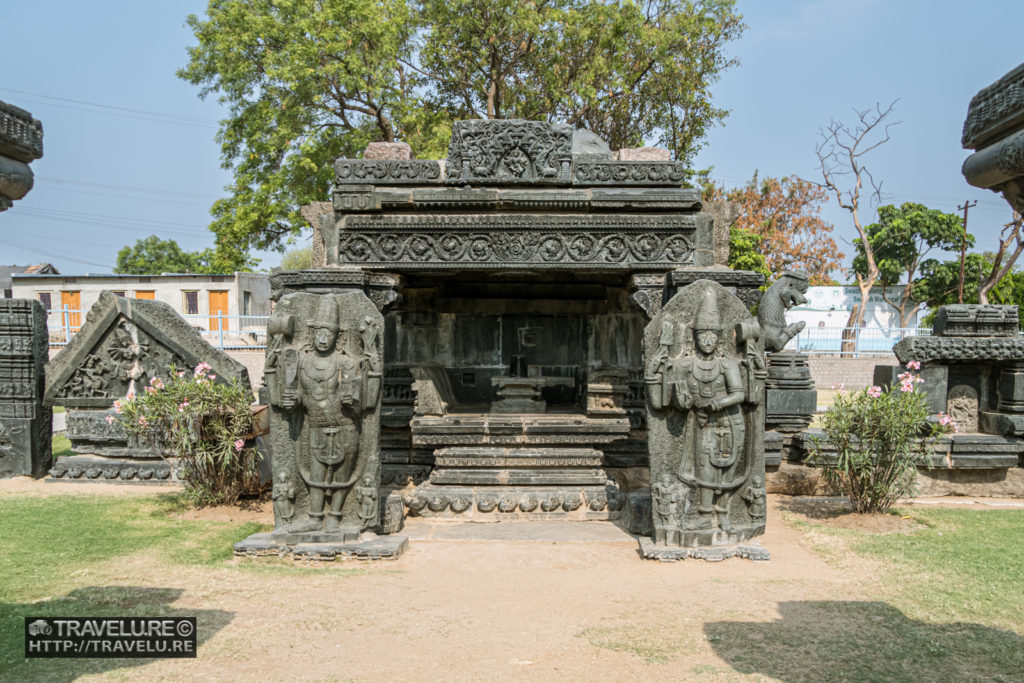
(963, 251)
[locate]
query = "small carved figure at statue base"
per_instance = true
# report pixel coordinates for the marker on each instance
(367, 496)
(754, 494)
(669, 502)
(705, 385)
(284, 497)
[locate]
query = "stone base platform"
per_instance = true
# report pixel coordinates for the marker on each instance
(93, 468)
(507, 503)
(649, 550)
(368, 547)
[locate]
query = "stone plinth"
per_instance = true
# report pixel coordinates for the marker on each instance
(25, 424)
(791, 400)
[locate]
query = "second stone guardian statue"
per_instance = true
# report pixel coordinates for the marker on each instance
(705, 372)
(323, 372)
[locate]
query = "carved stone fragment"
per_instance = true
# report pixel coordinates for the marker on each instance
(705, 374)
(25, 425)
(323, 375)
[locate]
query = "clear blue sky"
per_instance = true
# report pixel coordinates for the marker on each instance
(146, 161)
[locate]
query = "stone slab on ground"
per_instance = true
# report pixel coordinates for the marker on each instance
(526, 531)
(376, 548)
(649, 550)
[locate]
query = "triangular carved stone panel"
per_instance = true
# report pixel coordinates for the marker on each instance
(122, 345)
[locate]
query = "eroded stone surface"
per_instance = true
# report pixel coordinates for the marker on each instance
(25, 424)
(705, 378)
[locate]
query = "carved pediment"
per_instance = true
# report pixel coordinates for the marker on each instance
(122, 345)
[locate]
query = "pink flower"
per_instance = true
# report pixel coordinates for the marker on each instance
(156, 383)
(838, 386)
(875, 392)
(180, 373)
(110, 419)
(914, 365)
(906, 387)
(150, 390)
(238, 444)
(182, 406)
(201, 369)
(142, 421)
(130, 396)
(117, 407)
(213, 376)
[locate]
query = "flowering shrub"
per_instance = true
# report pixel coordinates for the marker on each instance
(203, 423)
(879, 437)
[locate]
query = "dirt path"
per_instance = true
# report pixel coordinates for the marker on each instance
(478, 609)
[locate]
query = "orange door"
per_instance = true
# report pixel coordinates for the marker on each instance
(145, 294)
(218, 305)
(73, 302)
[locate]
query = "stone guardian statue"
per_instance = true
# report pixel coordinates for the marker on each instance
(705, 394)
(327, 399)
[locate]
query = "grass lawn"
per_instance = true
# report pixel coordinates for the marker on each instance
(51, 551)
(947, 603)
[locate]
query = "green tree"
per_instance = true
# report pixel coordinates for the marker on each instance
(152, 256)
(940, 280)
(900, 241)
(307, 81)
(297, 259)
(745, 252)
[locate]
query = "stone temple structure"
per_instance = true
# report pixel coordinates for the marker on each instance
(21, 142)
(25, 424)
(515, 280)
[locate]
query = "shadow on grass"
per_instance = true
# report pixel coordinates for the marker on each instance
(832, 640)
(816, 507)
(93, 601)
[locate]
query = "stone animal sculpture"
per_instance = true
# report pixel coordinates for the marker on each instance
(786, 292)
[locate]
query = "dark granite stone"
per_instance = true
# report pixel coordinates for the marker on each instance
(786, 292)
(323, 375)
(995, 129)
(123, 344)
(705, 426)
(25, 424)
(21, 142)
(974, 320)
(652, 551)
(935, 386)
(377, 548)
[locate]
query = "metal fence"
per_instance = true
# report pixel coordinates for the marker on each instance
(249, 332)
(233, 332)
(851, 342)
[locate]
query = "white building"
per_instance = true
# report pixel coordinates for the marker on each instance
(831, 306)
(213, 303)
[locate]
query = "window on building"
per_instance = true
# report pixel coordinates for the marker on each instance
(117, 292)
(191, 303)
(45, 300)
(145, 294)
(246, 303)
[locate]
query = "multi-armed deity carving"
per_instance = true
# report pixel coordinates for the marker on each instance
(786, 292)
(324, 379)
(705, 376)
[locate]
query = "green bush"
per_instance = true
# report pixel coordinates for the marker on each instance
(879, 437)
(205, 424)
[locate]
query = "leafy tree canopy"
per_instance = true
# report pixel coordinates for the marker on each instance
(297, 259)
(152, 256)
(307, 81)
(745, 252)
(939, 280)
(900, 240)
(783, 214)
